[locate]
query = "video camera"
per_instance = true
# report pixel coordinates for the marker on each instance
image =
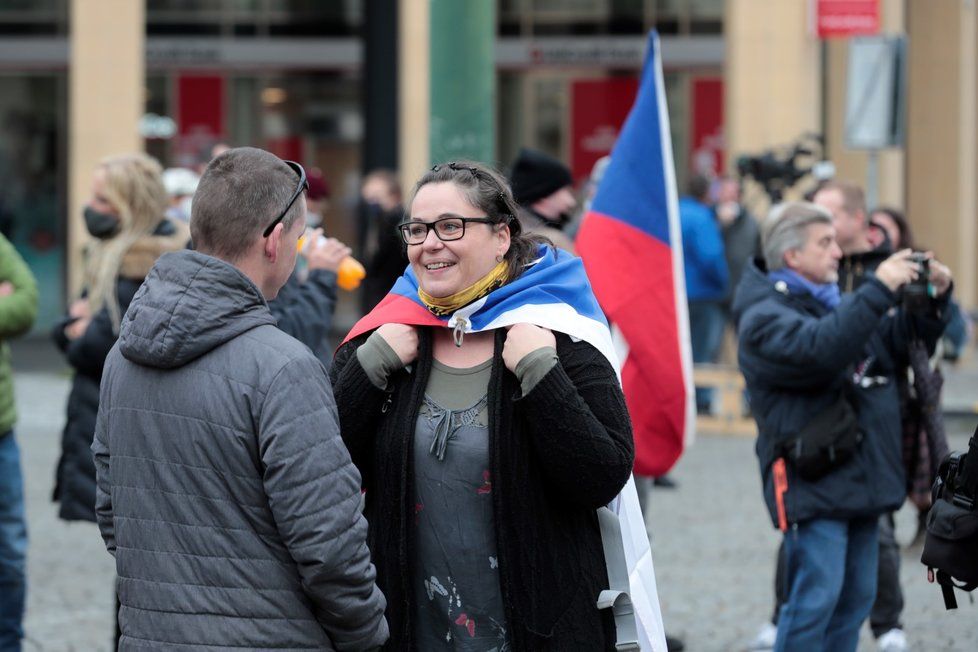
(777, 171)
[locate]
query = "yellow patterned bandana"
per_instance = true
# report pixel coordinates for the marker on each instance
(443, 306)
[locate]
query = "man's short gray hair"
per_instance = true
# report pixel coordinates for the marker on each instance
(238, 196)
(786, 228)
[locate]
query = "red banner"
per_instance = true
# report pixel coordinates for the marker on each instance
(598, 110)
(200, 115)
(706, 143)
(839, 18)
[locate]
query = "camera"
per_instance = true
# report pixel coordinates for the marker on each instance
(916, 294)
(777, 171)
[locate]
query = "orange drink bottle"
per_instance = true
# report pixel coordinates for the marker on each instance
(348, 274)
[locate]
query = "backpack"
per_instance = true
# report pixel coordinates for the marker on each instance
(951, 543)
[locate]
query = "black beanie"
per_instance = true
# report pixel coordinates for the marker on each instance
(535, 175)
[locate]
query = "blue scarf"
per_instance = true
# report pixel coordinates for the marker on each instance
(825, 293)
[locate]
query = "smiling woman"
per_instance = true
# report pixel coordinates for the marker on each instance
(448, 260)
(492, 387)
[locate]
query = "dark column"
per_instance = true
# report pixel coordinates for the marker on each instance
(380, 85)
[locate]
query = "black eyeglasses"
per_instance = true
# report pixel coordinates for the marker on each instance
(303, 185)
(446, 229)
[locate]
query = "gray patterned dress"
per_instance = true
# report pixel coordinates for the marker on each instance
(458, 603)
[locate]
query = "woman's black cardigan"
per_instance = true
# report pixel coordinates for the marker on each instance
(556, 455)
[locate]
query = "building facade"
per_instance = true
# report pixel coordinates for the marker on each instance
(287, 75)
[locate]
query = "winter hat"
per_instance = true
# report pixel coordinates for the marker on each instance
(535, 175)
(318, 187)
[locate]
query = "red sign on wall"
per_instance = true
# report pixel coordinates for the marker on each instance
(835, 18)
(200, 114)
(598, 110)
(706, 143)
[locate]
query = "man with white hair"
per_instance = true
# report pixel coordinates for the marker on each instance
(820, 370)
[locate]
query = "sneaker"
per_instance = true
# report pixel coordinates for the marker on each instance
(765, 638)
(892, 641)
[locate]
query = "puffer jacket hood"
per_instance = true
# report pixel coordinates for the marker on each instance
(189, 304)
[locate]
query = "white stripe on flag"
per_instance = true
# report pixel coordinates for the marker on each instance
(562, 318)
(676, 240)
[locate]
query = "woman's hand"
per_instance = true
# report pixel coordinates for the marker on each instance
(403, 339)
(940, 275)
(523, 339)
(79, 309)
(77, 328)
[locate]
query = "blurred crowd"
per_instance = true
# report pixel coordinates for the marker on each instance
(146, 250)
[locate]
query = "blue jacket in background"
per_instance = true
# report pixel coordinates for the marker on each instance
(796, 355)
(704, 261)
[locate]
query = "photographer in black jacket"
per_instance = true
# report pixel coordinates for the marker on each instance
(804, 348)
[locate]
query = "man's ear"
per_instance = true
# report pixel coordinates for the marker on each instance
(791, 258)
(272, 243)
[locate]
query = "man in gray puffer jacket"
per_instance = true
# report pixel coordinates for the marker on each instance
(224, 490)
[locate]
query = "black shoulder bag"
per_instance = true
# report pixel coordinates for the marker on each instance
(951, 544)
(825, 443)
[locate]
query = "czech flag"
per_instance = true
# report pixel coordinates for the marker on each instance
(630, 241)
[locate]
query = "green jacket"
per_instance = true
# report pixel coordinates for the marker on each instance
(18, 307)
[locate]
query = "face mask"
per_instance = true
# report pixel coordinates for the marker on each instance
(313, 220)
(100, 225)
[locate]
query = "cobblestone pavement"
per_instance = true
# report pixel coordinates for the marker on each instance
(714, 553)
(713, 547)
(70, 575)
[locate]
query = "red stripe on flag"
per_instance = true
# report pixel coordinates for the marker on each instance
(632, 276)
(394, 309)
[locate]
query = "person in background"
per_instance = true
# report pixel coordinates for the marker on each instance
(544, 189)
(126, 218)
(317, 199)
(741, 234)
(588, 193)
(485, 451)
(874, 242)
(889, 224)
(18, 308)
(705, 266)
(225, 493)
(180, 184)
(218, 148)
(380, 197)
(304, 306)
(805, 349)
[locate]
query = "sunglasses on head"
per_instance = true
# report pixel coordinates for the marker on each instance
(500, 199)
(302, 185)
